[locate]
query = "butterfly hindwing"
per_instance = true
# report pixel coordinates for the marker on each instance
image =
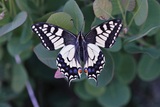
(53, 37)
(104, 35)
(94, 62)
(68, 63)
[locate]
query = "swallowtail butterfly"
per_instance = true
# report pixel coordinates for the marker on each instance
(79, 48)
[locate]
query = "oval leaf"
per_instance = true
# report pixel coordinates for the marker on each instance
(61, 19)
(133, 48)
(74, 11)
(142, 12)
(94, 91)
(129, 4)
(102, 9)
(115, 7)
(117, 46)
(151, 23)
(116, 95)
(26, 34)
(15, 47)
(148, 68)
(125, 68)
(81, 91)
(19, 78)
(4, 104)
(18, 21)
(45, 56)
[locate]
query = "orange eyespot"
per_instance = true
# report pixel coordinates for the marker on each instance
(86, 71)
(79, 71)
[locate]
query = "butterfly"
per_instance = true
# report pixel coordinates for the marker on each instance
(77, 49)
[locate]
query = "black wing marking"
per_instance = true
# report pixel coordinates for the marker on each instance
(53, 37)
(94, 62)
(104, 35)
(68, 63)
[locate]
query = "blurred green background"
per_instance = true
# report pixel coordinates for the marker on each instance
(130, 77)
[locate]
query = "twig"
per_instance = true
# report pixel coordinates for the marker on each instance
(28, 86)
(31, 94)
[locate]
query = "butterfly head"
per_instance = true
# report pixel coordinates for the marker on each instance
(80, 34)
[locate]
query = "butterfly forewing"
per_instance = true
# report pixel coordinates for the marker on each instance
(105, 34)
(53, 37)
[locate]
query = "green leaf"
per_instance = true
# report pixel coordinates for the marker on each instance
(128, 4)
(125, 67)
(4, 104)
(116, 95)
(23, 5)
(96, 22)
(61, 19)
(89, 19)
(93, 90)
(117, 46)
(107, 73)
(26, 54)
(1, 53)
(88, 104)
(142, 12)
(18, 21)
(19, 78)
(15, 47)
(157, 38)
(148, 68)
(81, 92)
(141, 34)
(115, 7)
(6, 94)
(152, 22)
(44, 17)
(5, 19)
(102, 9)
(45, 56)
(74, 11)
(133, 48)
(26, 34)
(5, 37)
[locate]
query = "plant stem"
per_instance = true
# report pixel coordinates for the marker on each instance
(28, 85)
(121, 9)
(31, 94)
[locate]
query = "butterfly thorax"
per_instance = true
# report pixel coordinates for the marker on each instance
(82, 46)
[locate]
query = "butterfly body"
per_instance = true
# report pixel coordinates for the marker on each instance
(78, 49)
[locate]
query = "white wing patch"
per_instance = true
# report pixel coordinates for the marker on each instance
(68, 63)
(95, 62)
(51, 36)
(99, 31)
(105, 34)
